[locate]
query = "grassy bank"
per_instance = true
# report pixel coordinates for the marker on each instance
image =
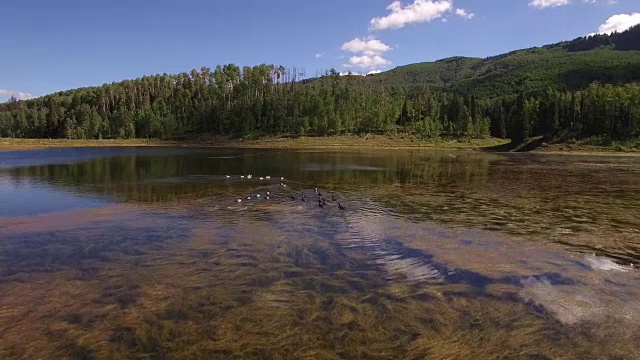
(535, 145)
(339, 142)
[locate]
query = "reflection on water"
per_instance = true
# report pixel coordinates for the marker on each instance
(137, 254)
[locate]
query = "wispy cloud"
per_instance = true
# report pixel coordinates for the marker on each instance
(17, 94)
(419, 12)
(345, 73)
(464, 14)
(543, 4)
(356, 73)
(618, 23)
(319, 55)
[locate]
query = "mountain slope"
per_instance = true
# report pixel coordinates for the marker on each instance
(571, 65)
(439, 73)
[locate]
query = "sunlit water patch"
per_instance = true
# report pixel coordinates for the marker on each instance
(573, 287)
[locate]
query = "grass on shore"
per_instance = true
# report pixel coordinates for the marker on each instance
(398, 141)
(342, 141)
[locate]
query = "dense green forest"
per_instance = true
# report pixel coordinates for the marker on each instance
(583, 88)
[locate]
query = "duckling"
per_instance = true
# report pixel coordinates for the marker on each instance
(341, 207)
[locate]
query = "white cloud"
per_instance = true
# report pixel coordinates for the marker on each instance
(368, 61)
(367, 46)
(464, 14)
(543, 4)
(369, 50)
(345, 73)
(17, 94)
(444, 20)
(372, 72)
(319, 55)
(418, 12)
(619, 23)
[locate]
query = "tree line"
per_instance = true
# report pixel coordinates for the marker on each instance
(271, 100)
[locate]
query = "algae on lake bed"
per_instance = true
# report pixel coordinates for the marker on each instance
(199, 276)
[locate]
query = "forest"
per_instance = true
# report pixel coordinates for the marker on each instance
(273, 100)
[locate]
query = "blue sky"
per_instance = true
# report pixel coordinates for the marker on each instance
(50, 46)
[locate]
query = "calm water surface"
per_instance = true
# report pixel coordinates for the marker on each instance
(146, 253)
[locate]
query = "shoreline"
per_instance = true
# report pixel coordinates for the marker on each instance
(329, 142)
(380, 142)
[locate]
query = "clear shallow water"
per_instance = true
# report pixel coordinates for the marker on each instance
(146, 253)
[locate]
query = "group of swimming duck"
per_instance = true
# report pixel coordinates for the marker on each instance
(321, 200)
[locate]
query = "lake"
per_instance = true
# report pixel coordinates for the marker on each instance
(168, 253)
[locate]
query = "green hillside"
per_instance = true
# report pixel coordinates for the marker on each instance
(440, 73)
(570, 65)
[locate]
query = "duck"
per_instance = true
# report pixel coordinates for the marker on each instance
(268, 193)
(315, 189)
(239, 200)
(249, 176)
(228, 176)
(341, 207)
(248, 197)
(282, 178)
(258, 196)
(319, 194)
(241, 176)
(261, 178)
(267, 177)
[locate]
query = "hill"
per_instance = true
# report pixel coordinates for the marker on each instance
(570, 65)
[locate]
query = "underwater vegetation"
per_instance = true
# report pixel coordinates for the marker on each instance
(435, 256)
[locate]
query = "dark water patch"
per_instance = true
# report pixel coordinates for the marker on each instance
(83, 248)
